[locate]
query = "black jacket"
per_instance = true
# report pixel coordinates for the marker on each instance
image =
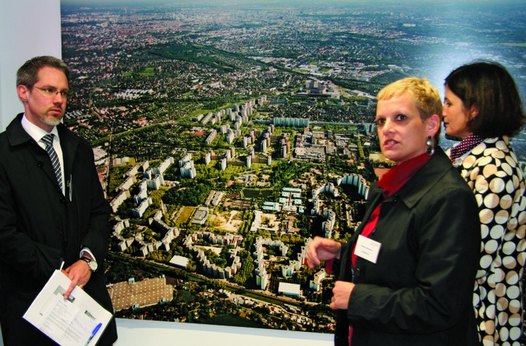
(420, 290)
(40, 227)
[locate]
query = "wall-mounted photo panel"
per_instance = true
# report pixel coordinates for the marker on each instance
(230, 133)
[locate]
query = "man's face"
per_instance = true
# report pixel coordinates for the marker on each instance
(45, 102)
(401, 130)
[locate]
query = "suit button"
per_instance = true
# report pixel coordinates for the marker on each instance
(63, 200)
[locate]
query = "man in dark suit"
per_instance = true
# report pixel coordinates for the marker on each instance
(52, 208)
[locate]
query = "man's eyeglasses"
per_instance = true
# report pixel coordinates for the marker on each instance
(52, 92)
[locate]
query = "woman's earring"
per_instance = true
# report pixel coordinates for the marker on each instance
(430, 146)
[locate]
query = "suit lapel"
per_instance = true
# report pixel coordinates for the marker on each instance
(69, 146)
(19, 137)
(376, 197)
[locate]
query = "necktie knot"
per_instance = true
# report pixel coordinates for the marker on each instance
(48, 139)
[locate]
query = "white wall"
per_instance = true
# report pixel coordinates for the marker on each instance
(139, 333)
(27, 28)
(32, 27)
(133, 332)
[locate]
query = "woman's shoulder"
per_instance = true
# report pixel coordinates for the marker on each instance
(492, 146)
(490, 151)
(493, 156)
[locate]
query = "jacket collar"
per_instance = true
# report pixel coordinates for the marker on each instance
(437, 166)
(420, 184)
(18, 136)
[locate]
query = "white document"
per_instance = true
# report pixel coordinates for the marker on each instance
(77, 321)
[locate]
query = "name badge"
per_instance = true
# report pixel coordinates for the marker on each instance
(367, 249)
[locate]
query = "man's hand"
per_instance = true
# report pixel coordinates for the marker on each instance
(79, 273)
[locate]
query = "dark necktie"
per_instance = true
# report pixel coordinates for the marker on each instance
(48, 141)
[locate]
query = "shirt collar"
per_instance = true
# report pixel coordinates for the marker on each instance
(36, 132)
(464, 146)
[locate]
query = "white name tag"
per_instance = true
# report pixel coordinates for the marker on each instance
(367, 249)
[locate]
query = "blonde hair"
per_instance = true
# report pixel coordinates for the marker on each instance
(427, 98)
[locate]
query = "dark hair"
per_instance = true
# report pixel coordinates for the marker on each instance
(490, 88)
(27, 74)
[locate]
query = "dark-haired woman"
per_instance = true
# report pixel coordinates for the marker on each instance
(482, 108)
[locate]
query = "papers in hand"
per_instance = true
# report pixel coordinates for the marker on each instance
(77, 321)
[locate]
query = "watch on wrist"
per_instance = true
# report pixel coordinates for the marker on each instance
(91, 263)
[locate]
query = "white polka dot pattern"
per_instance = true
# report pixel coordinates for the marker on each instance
(492, 172)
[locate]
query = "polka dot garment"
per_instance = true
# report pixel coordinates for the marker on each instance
(492, 172)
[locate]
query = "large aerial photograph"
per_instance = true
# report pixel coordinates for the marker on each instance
(229, 133)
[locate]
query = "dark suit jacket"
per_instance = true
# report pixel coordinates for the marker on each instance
(40, 227)
(419, 292)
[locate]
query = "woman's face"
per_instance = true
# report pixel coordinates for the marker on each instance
(401, 130)
(455, 116)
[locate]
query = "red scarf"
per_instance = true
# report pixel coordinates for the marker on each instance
(400, 174)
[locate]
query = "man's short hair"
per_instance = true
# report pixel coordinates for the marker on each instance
(27, 74)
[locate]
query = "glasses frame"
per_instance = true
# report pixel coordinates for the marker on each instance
(52, 91)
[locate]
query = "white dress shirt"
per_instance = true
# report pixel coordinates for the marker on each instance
(37, 133)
